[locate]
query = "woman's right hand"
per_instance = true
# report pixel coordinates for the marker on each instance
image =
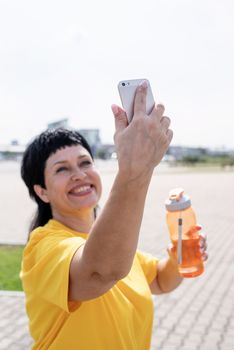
(142, 144)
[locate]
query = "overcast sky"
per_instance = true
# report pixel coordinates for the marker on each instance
(64, 58)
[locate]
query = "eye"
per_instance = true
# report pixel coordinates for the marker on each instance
(86, 163)
(62, 168)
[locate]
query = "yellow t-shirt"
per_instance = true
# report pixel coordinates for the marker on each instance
(120, 319)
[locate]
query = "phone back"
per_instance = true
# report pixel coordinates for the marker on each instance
(127, 91)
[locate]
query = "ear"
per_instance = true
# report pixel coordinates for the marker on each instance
(41, 192)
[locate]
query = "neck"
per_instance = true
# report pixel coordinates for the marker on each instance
(82, 222)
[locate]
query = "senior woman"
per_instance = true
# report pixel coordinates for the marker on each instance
(86, 284)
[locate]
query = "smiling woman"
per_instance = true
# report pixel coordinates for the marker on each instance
(86, 284)
(72, 185)
(37, 159)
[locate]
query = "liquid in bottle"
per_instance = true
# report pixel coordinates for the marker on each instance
(182, 225)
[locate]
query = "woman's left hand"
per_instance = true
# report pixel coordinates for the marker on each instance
(202, 243)
(203, 246)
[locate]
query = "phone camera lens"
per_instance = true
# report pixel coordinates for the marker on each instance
(123, 84)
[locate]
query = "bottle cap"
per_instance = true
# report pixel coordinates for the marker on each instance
(177, 200)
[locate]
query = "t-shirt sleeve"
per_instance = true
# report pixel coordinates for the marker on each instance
(148, 264)
(47, 270)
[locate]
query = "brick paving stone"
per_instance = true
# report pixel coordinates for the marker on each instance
(210, 344)
(161, 332)
(217, 327)
(5, 343)
(156, 344)
(170, 322)
(167, 347)
(213, 336)
(10, 330)
(25, 343)
(188, 346)
(14, 336)
(15, 346)
(3, 323)
(174, 339)
(197, 329)
(227, 346)
(229, 334)
(229, 338)
(182, 331)
(192, 338)
(226, 339)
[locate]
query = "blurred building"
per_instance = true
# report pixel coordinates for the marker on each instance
(93, 138)
(62, 123)
(14, 150)
(11, 152)
(179, 152)
(106, 151)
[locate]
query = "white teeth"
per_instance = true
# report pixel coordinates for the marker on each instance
(81, 189)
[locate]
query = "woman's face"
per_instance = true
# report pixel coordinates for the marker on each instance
(72, 182)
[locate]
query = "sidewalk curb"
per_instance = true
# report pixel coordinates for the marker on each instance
(14, 243)
(11, 293)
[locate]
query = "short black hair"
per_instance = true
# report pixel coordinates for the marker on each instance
(41, 148)
(34, 161)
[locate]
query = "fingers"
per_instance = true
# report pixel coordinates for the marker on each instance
(203, 246)
(169, 134)
(164, 121)
(121, 121)
(170, 248)
(203, 239)
(195, 229)
(140, 100)
(204, 256)
(157, 112)
(172, 252)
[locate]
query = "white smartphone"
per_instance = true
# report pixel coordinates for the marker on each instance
(127, 91)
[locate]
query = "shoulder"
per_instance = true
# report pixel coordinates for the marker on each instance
(50, 240)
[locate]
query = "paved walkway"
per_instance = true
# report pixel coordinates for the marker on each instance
(199, 315)
(13, 323)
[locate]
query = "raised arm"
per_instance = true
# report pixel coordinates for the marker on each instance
(108, 253)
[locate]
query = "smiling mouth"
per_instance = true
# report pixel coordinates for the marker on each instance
(81, 190)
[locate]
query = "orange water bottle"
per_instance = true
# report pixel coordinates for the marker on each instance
(181, 221)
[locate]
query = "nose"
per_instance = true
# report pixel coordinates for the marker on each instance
(78, 174)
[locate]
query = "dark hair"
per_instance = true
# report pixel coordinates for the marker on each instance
(34, 161)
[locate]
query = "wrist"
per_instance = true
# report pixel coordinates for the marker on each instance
(132, 179)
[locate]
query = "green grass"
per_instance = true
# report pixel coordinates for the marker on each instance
(10, 262)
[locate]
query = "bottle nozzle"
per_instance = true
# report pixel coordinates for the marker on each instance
(176, 193)
(177, 200)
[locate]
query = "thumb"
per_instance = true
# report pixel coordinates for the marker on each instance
(121, 121)
(196, 228)
(171, 250)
